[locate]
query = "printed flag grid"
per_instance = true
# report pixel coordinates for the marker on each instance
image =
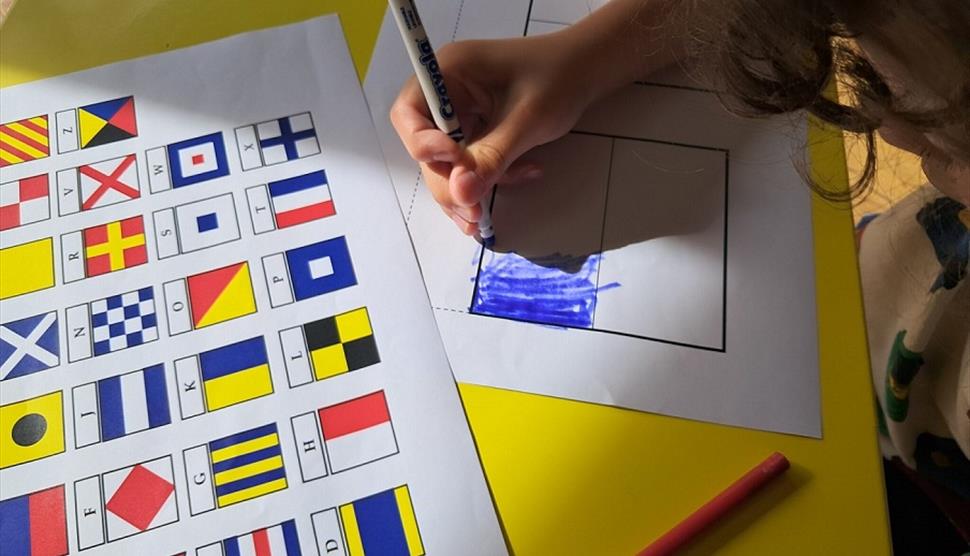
(34, 523)
(24, 202)
(29, 345)
(123, 321)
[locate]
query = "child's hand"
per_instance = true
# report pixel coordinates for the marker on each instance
(511, 95)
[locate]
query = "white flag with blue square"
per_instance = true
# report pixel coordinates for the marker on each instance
(198, 159)
(206, 223)
(320, 268)
(29, 345)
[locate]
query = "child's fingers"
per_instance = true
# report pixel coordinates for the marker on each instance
(413, 123)
(488, 158)
(465, 227)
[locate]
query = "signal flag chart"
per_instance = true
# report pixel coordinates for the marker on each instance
(212, 324)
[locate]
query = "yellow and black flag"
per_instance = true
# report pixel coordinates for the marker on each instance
(31, 429)
(341, 343)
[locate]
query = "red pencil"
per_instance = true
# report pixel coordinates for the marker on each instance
(729, 498)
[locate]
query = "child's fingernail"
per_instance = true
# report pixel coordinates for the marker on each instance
(441, 157)
(462, 224)
(465, 213)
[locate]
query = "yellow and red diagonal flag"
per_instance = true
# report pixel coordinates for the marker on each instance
(24, 140)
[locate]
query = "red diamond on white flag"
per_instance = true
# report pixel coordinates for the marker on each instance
(140, 497)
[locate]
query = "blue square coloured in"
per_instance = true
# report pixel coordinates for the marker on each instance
(207, 222)
(320, 268)
(197, 160)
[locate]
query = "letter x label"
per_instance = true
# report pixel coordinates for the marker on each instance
(107, 183)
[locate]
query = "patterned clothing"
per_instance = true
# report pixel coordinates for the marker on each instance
(913, 260)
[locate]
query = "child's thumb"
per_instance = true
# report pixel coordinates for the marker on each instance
(488, 158)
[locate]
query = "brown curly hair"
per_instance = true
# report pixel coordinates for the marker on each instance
(769, 57)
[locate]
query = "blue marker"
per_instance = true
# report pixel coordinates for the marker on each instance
(433, 86)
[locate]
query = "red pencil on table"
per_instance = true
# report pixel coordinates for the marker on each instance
(728, 499)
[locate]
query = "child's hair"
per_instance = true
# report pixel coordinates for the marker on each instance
(771, 56)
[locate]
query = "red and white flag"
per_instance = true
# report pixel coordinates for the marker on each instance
(357, 431)
(301, 199)
(24, 202)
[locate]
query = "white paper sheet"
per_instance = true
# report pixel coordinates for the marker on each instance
(664, 263)
(284, 102)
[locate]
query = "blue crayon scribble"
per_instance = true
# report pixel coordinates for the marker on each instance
(559, 290)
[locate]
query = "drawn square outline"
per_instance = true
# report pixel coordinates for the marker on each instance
(615, 137)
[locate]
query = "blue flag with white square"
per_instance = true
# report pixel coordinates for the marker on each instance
(320, 268)
(198, 159)
(29, 345)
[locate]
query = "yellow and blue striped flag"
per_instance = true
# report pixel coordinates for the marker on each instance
(382, 524)
(247, 465)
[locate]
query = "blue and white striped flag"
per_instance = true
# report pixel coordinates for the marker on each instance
(121, 405)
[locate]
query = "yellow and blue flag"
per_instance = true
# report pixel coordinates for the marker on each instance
(382, 524)
(235, 373)
(247, 465)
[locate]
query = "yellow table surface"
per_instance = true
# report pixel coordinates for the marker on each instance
(570, 477)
